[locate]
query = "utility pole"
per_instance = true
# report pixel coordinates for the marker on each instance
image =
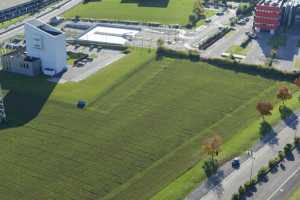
(2, 108)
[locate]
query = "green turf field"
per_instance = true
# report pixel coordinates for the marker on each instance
(164, 11)
(142, 129)
(295, 195)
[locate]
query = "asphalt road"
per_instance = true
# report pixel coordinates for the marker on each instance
(45, 18)
(222, 186)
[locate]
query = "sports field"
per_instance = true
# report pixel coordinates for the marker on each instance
(142, 128)
(163, 11)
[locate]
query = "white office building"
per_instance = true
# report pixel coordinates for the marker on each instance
(48, 44)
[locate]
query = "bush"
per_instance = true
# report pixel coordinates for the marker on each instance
(262, 172)
(210, 167)
(253, 69)
(253, 181)
(288, 148)
(235, 196)
(241, 190)
(247, 185)
(192, 55)
(297, 141)
(280, 155)
(273, 163)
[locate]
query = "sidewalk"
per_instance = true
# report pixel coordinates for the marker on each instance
(228, 180)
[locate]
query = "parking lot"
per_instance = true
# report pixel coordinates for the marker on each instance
(99, 59)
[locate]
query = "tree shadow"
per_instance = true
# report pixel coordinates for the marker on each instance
(289, 117)
(290, 156)
(214, 182)
(267, 133)
(250, 192)
(148, 3)
(25, 99)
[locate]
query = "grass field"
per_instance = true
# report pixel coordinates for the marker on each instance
(236, 49)
(164, 11)
(13, 21)
(295, 195)
(142, 129)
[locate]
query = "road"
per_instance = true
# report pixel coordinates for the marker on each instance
(45, 18)
(227, 182)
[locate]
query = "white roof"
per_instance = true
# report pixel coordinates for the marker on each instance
(110, 35)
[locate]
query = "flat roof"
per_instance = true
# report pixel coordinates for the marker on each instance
(4, 4)
(111, 35)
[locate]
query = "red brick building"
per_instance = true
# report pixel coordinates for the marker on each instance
(268, 15)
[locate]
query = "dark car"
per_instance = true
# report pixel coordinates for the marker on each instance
(236, 162)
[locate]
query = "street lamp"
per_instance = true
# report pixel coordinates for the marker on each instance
(251, 154)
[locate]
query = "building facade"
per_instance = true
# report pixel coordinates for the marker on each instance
(268, 15)
(18, 62)
(29, 6)
(48, 44)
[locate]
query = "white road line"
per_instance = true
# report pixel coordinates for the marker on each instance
(287, 180)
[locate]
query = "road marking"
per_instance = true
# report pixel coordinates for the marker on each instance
(287, 180)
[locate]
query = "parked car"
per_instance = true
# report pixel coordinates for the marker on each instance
(207, 20)
(220, 13)
(236, 162)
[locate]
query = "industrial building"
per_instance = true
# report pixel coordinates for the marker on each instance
(268, 15)
(47, 44)
(10, 9)
(18, 62)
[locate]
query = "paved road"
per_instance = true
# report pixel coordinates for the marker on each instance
(45, 18)
(222, 187)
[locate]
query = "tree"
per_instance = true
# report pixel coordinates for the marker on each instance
(284, 94)
(264, 109)
(212, 145)
(297, 82)
(198, 8)
(160, 43)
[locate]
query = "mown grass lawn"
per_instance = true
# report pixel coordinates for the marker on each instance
(236, 49)
(164, 11)
(142, 128)
(295, 195)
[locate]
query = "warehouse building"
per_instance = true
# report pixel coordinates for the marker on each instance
(10, 9)
(268, 15)
(47, 44)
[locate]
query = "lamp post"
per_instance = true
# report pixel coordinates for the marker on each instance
(250, 153)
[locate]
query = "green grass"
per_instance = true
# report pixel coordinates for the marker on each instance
(297, 62)
(236, 49)
(72, 57)
(176, 11)
(295, 195)
(142, 129)
(13, 21)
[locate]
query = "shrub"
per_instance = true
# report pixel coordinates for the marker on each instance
(273, 163)
(235, 196)
(288, 148)
(297, 141)
(280, 155)
(253, 181)
(241, 190)
(210, 167)
(247, 185)
(262, 172)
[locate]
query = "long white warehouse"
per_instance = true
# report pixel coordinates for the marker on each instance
(48, 44)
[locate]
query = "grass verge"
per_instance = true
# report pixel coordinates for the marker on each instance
(242, 141)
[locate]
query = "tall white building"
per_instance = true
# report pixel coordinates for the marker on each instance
(48, 44)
